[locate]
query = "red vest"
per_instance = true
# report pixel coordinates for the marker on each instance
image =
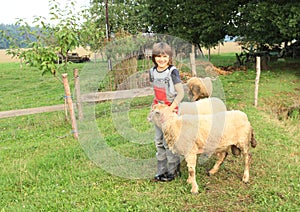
(163, 86)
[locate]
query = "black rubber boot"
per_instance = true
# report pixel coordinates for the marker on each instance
(159, 178)
(174, 171)
(178, 172)
(168, 177)
(161, 171)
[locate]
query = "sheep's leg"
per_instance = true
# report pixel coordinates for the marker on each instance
(221, 156)
(191, 164)
(248, 157)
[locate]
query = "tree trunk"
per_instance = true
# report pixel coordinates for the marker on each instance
(264, 63)
(200, 49)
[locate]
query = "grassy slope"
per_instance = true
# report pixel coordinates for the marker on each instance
(44, 168)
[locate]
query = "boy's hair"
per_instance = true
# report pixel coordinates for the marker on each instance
(161, 48)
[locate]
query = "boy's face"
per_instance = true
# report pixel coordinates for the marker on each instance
(162, 61)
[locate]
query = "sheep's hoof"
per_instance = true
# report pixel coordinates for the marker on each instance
(245, 181)
(246, 177)
(208, 173)
(194, 191)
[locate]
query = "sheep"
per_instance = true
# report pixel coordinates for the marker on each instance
(189, 135)
(199, 88)
(205, 106)
(202, 106)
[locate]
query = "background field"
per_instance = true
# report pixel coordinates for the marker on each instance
(228, 47)
(43, 168)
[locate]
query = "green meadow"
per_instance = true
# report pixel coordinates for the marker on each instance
(43, 168)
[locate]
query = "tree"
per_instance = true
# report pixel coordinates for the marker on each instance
(127, 16)
(268, 22)
(203, 23)
(263, 26)
(91, 35)
(206, 23)
(52, 40)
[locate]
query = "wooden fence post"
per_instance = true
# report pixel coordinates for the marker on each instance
(258, 68)
(66, 109)
(70, 105)
(78, 95)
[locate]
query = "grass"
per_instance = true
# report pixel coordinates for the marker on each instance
(44, 169)
(40, 90)
(226, 59)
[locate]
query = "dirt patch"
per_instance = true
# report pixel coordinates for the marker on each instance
(284, 110)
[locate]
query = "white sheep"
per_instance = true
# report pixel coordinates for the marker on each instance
(189, 135)
(205, 106)
(202, 106)
(199, 88)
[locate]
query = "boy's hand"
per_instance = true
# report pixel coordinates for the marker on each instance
(172, 107)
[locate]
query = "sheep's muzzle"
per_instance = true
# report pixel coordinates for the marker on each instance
(156, 116)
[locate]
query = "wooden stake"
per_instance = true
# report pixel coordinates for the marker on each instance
(78, 95)
(66, 109)
(258, 68)
(70, 105)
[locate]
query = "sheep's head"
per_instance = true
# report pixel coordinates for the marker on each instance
(197, 88)
(193, 88)
(159, 114)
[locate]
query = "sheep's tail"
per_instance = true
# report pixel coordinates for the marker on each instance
(253, 141)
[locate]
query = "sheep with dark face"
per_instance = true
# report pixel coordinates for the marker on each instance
(199, 88)
(189, 135)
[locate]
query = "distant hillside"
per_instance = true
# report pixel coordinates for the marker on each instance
(14, 32)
